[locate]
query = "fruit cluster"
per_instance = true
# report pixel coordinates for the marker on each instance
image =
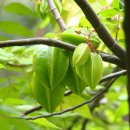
(55, 69)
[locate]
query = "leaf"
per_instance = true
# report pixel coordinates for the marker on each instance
(58, 5)
(3, 38)
(115, 4)
(108, 13)
(15, 28)
(15, 123)
(8, 111)
(44, 122)
(73, 100)
(18, 8)
(50, 65)
(48, 98)
(2, 66)
(83, 22)
(14, 101)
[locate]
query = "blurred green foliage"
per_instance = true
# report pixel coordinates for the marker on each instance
(19, 19)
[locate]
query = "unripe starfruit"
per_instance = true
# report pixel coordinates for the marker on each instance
(76, 36)
(73, 81)
(81, 54)
(91, 72)
(50, 66)
(48, 98)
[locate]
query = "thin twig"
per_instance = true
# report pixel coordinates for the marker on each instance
(118, 26)
(57, 43)
(31, 110)
(56, 14)
(113, 75)
(67, 93)
(101, 30)
(75, 107)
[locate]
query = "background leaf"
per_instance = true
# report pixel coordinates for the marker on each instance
(18, 8)
(15, 28)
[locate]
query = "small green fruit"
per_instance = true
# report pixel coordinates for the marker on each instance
(73, 81)
(48, 98)
(81, 54)
(71, 36)
(50, 66)
(91, 71)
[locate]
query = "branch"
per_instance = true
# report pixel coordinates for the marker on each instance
(101, 30)
(31, 110)
(113, 75)
(127, 35)
(112, 58)
(57, 43)
(75, 107)
(37, 41)
(56, 14)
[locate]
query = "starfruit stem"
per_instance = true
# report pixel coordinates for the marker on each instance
(89, 41)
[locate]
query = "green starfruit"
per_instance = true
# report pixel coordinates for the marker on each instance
(76, 36)
(81, 54)
(48, 98)
(73, 81)
(91, 71)
(50, 66)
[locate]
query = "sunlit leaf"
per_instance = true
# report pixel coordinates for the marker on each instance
(108, 13)
(18, 8)
(15, 28)
(46, 123)
(74, 100)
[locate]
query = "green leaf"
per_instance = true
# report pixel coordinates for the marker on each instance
(8, 111)
(3, 38)
(14, 101)
(73, 100)
(108, 13)
(15, 123)
(50, 65)
(15, 28)
(58, 5)
(44, 122)
(83, 22)
(115, 4)
(2, 66)
(48, 98)
(18, 8)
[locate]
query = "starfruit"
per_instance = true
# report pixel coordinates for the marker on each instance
(50, 66)
(81, 54)
(73, 81)
(48, 98)
(76, 35)
(91, 71)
